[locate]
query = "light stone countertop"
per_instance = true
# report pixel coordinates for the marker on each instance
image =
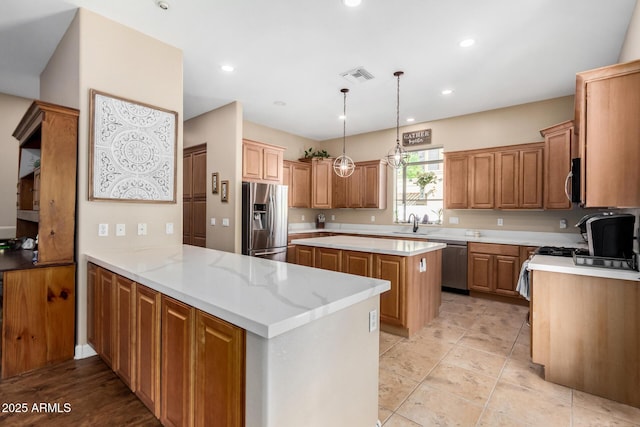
(557, 264)
(267, 298)
(372, 245)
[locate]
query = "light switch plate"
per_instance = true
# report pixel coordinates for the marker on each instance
(103, 230)
(453, 220)
(120, 230)
(373, 320)
(225, 222)
(168, 228)
(142, 229)
(213, 221)
(500, 222)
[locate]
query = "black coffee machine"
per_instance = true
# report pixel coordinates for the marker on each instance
(608, 234)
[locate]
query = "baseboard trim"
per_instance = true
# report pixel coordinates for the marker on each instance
(83, 351)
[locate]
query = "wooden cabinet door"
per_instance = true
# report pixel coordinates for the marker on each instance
(286, 180)
(358, 263)
(321, 180)
(612, 135)
(456, 173)
(124, 360)
(481, 181)
(92, 270)
(220, 372)
(300, 190)
(147, 347)
(328, 259)
(272, 165)
(39, 318)
(530, 179)
(507, 269)
(507, 178)
(176, 373)
(251, 162)
(304, 255)
(392, 302)
(357, 195)
(105, 327)
(526, 252)
(374, 181)
(339, 196)
(480, 272)
(36, 190)
(194, 200)
(557, 165)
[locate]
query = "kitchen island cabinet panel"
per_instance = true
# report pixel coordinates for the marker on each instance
(586, 333)
(177, 363)
(220, 371)
(327, 259)
(358, 263)
(392, 302)
(147, 347)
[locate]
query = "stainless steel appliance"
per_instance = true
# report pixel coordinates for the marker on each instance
(608, 234)
(454, 266)
(264, 220)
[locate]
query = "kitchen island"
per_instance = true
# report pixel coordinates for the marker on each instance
(414, 269)
(585, 327)
(306, 352)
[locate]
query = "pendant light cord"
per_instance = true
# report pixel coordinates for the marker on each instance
(344, 121)
(398, 73)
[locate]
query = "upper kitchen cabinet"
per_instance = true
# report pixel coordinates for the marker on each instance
(321, 183)
(262, 162)
(374, 179)
(456, 170)
(348, 192)
(558, 146)
(297, 175)
(48, 136)
(518, 177)
(481, 181)
(607, 108)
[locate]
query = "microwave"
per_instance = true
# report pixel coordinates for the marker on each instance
(574, 175)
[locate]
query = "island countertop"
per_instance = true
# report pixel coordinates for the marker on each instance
(267, 298)
(373, 245)
(556, 264)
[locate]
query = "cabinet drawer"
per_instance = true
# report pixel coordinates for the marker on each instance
(494, 249)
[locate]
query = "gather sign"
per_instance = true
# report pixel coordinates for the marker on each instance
(417, 137)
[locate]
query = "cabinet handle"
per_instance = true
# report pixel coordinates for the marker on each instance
(566, 184)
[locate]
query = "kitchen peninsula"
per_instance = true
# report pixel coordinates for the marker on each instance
(414, 269)
(305, 354)
(585, 327)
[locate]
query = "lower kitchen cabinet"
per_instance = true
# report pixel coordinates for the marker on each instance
(186, 366)
(358, 263)
(219, 372)
(176, 377)
(38, 324)
(328, 259)
(147, 347)
(494, 268)
(392, 302)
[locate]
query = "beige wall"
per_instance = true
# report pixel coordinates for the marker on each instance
(12, 108)
(506, 126)
(631, 47)
(102, 54)
(221, 130)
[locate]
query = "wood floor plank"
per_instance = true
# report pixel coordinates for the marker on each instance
(94, 395)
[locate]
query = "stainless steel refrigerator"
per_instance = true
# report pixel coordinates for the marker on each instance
(264, 220)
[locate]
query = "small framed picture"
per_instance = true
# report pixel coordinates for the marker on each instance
(214, 183)
(224, 191)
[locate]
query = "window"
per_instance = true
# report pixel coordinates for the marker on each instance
(419, 187)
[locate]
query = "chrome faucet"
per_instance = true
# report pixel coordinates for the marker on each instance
(415, 221)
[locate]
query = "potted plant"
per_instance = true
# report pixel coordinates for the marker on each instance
(422, 180)
(310, 154)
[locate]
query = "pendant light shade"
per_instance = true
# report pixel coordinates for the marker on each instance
(343, 165)
(397, 156)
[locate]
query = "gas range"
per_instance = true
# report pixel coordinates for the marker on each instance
(555, 251)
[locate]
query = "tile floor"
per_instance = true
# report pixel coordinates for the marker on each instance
(471, 367)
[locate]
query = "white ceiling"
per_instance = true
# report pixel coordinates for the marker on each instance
(294, 50)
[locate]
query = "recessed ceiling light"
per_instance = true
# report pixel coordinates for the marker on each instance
(447, 91)
(279, 103)
(411, 119)
(163, 4)
(351, 3)
(467, 43)
(227, 68)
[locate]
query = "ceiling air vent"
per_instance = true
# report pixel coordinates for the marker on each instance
(357, 75)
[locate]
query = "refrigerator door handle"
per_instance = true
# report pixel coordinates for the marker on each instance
(271, 215)
(267, 253)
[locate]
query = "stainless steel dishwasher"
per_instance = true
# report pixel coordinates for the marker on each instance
(454, 266)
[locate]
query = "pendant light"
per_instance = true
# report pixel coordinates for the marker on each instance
(397, 156)
(343, 165)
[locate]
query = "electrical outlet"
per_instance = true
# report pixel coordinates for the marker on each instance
(213, 221)
(563, 223)
(302, 218)
(168, 228)
(333, 217)
(142, 229)
(120, 230)
(423, 265)
(453, 220)
(373, 218)
(225, 222)
(500, 222)
(103, 230)
(373, 320)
